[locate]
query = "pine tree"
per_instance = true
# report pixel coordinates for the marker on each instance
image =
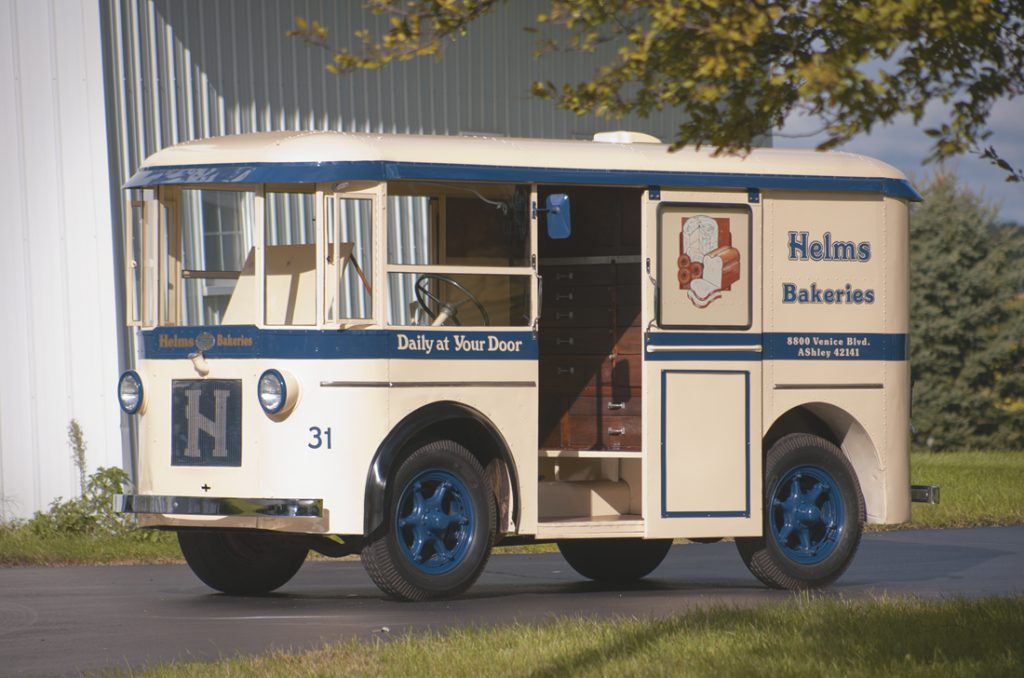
(966, 321)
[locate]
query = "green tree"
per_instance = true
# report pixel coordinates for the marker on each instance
(966, 321)
(736, 70)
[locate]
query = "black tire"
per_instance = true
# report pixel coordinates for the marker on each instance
(614, 561)
(439, 528)
(813, 515)
(241, 563)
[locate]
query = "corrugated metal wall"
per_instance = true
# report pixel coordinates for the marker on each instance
(189, 69)
(58, 327)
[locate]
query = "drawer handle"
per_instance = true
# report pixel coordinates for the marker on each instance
(616, 406)
(563, 296)
(564, 315)
(566, 370)
(564, 276)
(616, 431)
(564, 341)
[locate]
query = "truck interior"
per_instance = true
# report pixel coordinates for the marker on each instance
(590, 359)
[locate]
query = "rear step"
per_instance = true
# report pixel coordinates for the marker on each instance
(924, 494)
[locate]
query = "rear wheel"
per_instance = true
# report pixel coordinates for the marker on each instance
(614, 561)
(240, 563)
(813, 515)
(440, 524)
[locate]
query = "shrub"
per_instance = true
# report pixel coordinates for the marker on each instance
(91, 513)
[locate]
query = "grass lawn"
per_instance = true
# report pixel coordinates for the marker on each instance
(978, 488)
(21, 547)
(809, 636)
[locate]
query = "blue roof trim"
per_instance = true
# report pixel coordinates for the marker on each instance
(258, 173)
(382, 170)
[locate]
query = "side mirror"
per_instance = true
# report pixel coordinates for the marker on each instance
(559, 218)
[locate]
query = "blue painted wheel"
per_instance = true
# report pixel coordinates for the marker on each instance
(440, 526)
(813, 515)
(807, 514)
(435, 521)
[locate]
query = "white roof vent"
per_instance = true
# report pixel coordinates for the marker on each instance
(625, 137)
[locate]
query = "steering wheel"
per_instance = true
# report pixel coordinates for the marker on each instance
(448, 311)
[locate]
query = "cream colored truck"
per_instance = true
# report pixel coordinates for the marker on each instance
(415, 347)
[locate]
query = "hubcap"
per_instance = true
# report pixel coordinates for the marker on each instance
(806, 514)
(434, 521)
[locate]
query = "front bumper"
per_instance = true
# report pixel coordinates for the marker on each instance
(218, 506)
(286, 515)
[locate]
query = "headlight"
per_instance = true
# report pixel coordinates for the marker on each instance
(273, 392)
(129, 392)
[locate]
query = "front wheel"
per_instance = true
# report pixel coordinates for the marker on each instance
(241, 563)
(813, 515)
(441, 522)
(614, 561)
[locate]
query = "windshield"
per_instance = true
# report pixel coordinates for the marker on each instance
(210, 252)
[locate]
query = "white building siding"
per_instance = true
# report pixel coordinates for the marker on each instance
(58, 325)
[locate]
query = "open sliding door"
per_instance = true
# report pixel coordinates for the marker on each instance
(702, 365)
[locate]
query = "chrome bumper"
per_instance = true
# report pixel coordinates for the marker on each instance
(219, 506)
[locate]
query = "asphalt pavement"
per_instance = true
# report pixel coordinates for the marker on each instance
(65, 621)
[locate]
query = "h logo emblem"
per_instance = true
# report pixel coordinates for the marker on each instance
(206, 422)
(216, 427)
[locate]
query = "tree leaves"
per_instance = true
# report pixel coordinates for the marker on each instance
(738, 69)
(1013, 174)
(415, 28)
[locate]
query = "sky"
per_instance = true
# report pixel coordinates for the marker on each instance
(904, 145)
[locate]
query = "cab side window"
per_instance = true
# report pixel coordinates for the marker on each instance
(458, 254)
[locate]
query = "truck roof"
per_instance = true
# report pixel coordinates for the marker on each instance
(283, 157)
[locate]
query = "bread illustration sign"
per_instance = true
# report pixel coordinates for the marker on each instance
(708, 264)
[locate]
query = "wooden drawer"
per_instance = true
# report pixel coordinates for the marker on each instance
(604, 433)
(577, 275)
(620, 402)
(574, 341)
(601, 317)
(621, 433)
(575, 373)
(577, 431)
(579, 297)
(589, 374)
(559, 277)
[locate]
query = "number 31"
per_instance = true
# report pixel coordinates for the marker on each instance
(321, 438)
